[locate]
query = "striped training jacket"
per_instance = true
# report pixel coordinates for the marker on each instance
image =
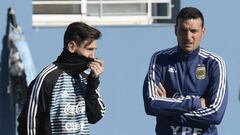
(57, 104)
(186, 78)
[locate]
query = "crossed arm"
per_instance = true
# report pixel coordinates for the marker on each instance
(161, 92)
(191, 109)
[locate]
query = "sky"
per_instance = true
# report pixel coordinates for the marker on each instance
(126, 52)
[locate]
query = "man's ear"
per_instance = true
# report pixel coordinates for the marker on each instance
(175, 28)
(203, 31)
(71, 46)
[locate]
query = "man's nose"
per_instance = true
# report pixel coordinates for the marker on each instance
(91, 55)
(188, 35)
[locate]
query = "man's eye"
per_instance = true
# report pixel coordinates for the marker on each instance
(90, 49)
(194, 31)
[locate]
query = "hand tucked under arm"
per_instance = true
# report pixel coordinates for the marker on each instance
(203, 102)
(160, 90)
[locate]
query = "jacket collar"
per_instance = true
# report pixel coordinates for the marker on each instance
(187, 55)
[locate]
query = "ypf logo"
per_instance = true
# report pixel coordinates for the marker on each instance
(185, 130)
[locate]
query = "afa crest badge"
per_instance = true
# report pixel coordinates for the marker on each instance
(201, 72)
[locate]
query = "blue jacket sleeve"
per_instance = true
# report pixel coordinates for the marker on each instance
(216, 96)
(168, 106)
(187, 110)
(155, 105)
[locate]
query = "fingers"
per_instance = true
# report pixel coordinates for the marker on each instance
(160, 91)
(97, 67)
(100, 62)
(163, 89)
(203, 102)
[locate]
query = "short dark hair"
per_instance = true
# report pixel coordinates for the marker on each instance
(80, 32)
(190, 13)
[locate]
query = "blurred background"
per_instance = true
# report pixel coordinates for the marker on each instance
(126, 46)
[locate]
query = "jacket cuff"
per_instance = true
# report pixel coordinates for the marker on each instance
(92, 85)
(196, 104)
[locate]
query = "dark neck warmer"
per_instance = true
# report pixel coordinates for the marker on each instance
(72, 63)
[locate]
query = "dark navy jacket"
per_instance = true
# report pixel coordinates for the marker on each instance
(186, 77)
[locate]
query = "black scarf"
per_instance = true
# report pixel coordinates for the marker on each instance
(72, 63)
